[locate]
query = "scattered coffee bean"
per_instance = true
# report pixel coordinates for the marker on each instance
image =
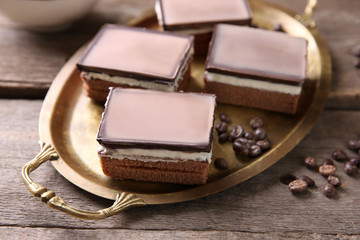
(248, 135)
(264, 145)
(221, 163)
(356, 62)
(221, 127)
(328, 161)
(255, 151)
(334, 181)
(278, 27)
(339, 155)
(287, 178)
(260, 134)
(223, 137)
(353, 145)
(256, 122)
(308, 180)
(243, 141)
(236, 132)
(355, 161)
(251, 142)
(327, 170)
(224, 117)
(350, 169)
(297, 186)
(241, 149)
(329, 190)
(310, 162)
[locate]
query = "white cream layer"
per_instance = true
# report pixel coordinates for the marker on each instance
(189, 31)
(251, 83)
(148, 155)
(145, 84)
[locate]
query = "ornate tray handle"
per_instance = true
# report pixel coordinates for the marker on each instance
(123, 200)
(307, 17)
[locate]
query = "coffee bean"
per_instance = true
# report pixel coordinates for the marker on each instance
(327, 170)
(264, 145)
(221, 127)
(356, 62)
(221, 163)
(278, 27)
(329, 190)
(339, 155)
(236, 132)
(328, 161)
(251, 142)
(243, 141)
(308, 180)
(241, 149)
(287, 178)
(310, 162)
(256, 122)
(223, 137)
(224, 117)
(334, 181)
(297, 186)
(248, 135)
(350, 169)
(353, 145)
(255, 151)
(355, 161)
(260, 134)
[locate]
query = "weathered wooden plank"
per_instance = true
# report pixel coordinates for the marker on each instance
(76, 234)
(259, 205)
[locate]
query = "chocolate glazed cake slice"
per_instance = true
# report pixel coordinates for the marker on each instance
(256, 68)
(148, 135)
(132, 57)
(199, 17)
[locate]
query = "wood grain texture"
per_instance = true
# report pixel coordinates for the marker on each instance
(78, 234)
(257, 208)
(29, 61)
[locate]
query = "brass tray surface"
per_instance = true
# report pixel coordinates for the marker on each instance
(69, 121)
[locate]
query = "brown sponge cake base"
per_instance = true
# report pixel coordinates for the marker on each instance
(98, 89)
(250, 97)
(181, 172)
(201, 43)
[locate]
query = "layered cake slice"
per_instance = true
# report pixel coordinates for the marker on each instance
(200, 16)
(148, 135)
(132, 57)
(256, 68)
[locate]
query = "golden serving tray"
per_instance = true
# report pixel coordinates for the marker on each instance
(69, 122)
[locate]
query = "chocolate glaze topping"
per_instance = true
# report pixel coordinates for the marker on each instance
(257, 54)
(147, 119)
(185, 14)
(136, 53)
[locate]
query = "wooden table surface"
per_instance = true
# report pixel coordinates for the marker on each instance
(260, 208)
